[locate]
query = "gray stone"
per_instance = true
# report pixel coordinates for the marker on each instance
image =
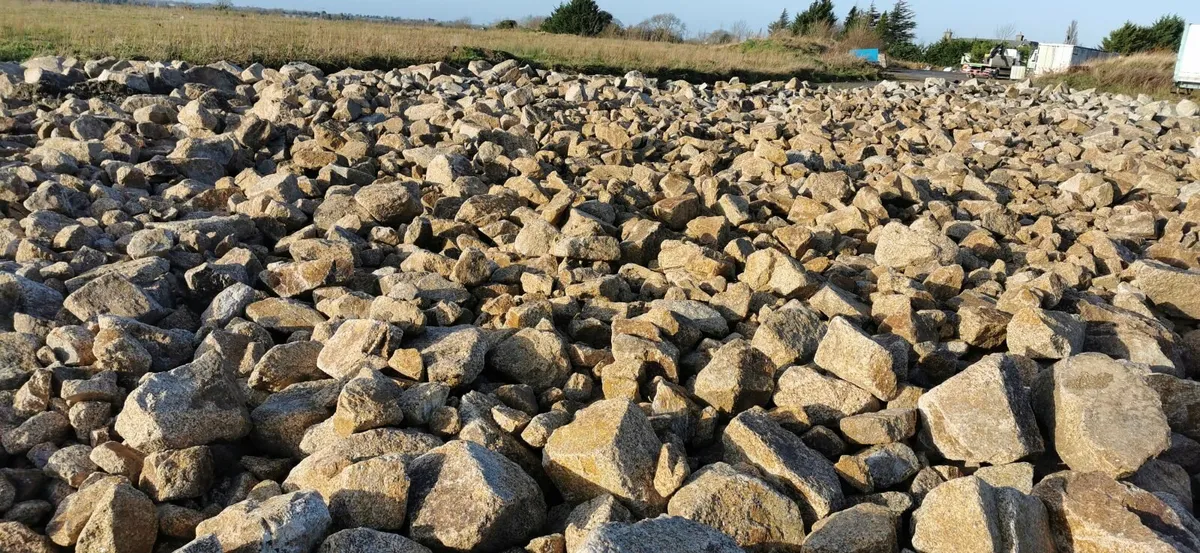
(366, 540)
(467, 498)
(453, 356)
(534, 357)
(288, 523)
(665, 534)
(195, 404)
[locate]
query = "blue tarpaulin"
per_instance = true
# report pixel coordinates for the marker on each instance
(869, 54)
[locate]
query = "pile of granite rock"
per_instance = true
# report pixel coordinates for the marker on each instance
(501, 309)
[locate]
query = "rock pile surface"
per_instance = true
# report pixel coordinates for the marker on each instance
(496, 309)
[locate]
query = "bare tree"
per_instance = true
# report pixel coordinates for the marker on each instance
(1072, 33)
(666, 27)
(532, 22)
(740, 30)
(1006, 32)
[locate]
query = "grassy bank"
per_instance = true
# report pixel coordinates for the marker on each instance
(207, 35)
(1135, 74)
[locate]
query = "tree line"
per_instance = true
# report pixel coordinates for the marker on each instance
(895, 28)
(586, 18)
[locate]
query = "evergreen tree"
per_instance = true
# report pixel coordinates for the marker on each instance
(882, 28)
(780, 24)
(1127, 39)
(819, 14)
(871, 17)
(1164, 34)
(1167, 33)
(851, 18)
(902, 24)
(577, 17)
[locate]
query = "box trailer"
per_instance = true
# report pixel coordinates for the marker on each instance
(1187, 65)
(1056, 58)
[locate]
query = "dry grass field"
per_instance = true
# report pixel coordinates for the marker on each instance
(1150, 73)
(29, 28)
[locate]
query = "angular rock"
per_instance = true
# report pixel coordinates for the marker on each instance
(453, 356)
(863, 528)
(878, 467)
(195, 404)
(1168, 287)
(789, 335)
(1089, 511)
(665, 534)
(786, 462)
(534, 357)
(738, 377)
(371, 494)
(610, 447)
(366, 540)
(369, 400)
(467, 498)
(901, 247)
(357, 344)
(819, 398)
(1043, 334)
(981, 415)
(289, 523)
(107, 515)
(852, 355)
(111, 294)
(177, 474)
(741, 506)
(968, 514)
(1100, 415)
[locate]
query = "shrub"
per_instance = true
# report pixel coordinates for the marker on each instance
(577, 17)
(947, 53)
(1149, 73)
(720, 36)
(980, 50)
(1164, 34)
(906, 51)
(507, 24)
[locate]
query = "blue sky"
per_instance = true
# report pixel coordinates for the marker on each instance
(1044, 20)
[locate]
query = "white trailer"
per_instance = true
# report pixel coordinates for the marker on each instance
(1056, 58)
(1187, 65)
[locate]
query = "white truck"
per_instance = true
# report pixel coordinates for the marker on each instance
(1051, 57)
(1187, 65)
